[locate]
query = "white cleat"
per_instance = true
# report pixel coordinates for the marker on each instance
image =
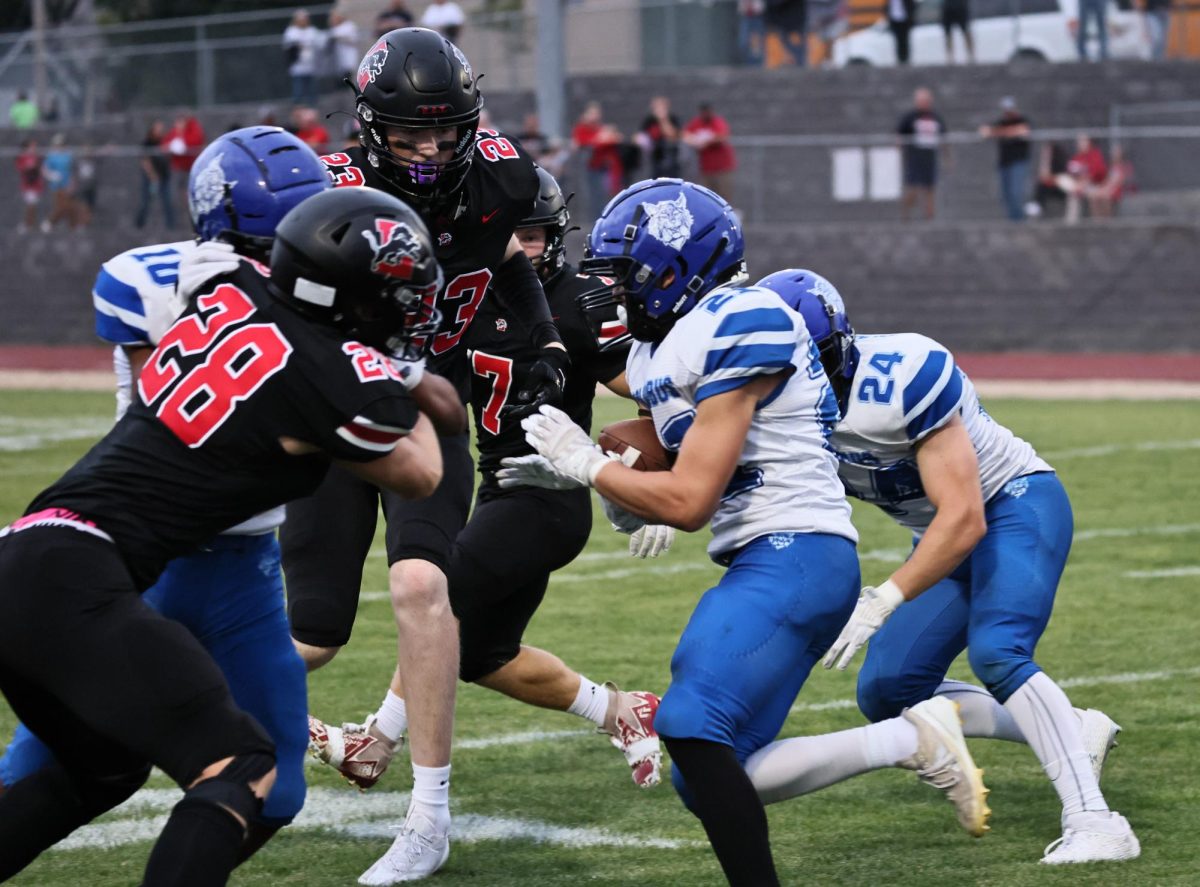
(421, 848)
(1099, 736)
(943, 761)
(1102, 837)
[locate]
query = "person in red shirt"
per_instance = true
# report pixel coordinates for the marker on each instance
(602, 141)
(306, 124)
(1085, 170)
(708, 134)
(29, 174)
(182, 144)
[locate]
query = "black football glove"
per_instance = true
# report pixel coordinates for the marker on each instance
(543, 384)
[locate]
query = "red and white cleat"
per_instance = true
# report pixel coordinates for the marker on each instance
(360, 752)
(634, 735)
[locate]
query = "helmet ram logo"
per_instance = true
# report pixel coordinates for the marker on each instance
(372, 64)
(823, 289)
(670, 221)
(396, 249)
(208, 187)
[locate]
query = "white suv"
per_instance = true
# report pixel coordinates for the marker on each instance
(1043, 31)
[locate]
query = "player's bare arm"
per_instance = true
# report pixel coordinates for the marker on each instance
(950, 474)
(687, 496)
(619, 386)
(138, 355)
(436, 397)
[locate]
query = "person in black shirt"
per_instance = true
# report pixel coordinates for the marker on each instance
(1011, 133)
(418, 101)
(659, 139)
(243, 405)
(921, 131)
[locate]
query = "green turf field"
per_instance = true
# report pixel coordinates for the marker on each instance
(539, 801)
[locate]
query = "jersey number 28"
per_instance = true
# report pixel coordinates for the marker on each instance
(236, 362)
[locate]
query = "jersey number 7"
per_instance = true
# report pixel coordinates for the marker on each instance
(235, 363)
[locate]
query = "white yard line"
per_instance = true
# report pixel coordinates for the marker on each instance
(35, 435)
(1167, 573)
(347, 812)
(1145, 446)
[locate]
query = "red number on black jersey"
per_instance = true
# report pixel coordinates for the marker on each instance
(198, 402)
(369, 364)
(495, 147)
(342, 171)
(499, 370)
(468, 288)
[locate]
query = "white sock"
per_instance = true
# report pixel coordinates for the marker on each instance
(392, 717)
(983, 717)
(1045, 716)
(792, 767)
(591, 702)
(431, 792)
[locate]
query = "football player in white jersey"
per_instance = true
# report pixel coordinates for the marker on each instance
(736, 389)
(230, 592)
(993, 527)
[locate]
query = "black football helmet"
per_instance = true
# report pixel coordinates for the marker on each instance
(549, 212)
(417, 79)
(361, 261)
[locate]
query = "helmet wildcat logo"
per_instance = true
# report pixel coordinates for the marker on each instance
(462, 60)
(670, 221)
(395, 248)
(208, 188)
(372, 63)
(826, 290)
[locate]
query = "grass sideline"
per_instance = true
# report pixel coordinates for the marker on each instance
(561, 809)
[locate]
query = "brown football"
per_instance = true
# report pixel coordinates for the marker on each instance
(636, 435)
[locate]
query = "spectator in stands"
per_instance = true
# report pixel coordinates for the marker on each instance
(532, 139)
(396, 15)
(920, 131)
(752, 31)
(306, 124)
(957, 14)
(58, 169)
(659, 139)
(302, 44)
(1085, 170)
(1158, 26)
(29, 178)
(829, 19)
(446, 17)
(900, 16)
(788, 21)
(154, 168)
(1092, 11)
(88, 176)
(708, 134)
(182, 143)
(1104, 198)
(1052, 162)
(23, 113)
(1011, 132)
(343, 47)
(601, 141)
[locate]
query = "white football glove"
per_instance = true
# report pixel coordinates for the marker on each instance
(622, 521)
(874, 607)
(411, 371)
(651, 540)
(533, 471)
(210, 259)
(565, 446)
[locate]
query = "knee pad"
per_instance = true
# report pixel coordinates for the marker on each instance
(682, 715)
(1001, 671)
(878, 697)
(230, 789)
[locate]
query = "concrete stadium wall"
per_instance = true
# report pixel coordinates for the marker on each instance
(1121, 286)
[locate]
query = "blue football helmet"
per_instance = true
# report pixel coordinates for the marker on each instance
(824, 314)
(244, 182)
(666, 243)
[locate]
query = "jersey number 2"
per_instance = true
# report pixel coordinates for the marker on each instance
(196, 403)
(499, 370)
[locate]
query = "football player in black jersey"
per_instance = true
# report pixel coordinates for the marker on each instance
(242, 406)
(501, 562)
(418, 102)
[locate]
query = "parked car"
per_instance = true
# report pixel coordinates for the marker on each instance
(1003, 30)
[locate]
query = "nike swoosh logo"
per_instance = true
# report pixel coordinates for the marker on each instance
(489, 216)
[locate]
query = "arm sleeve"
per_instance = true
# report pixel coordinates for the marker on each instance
(932, 395)
(120, 312)
(750, 341)
(520, 291)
